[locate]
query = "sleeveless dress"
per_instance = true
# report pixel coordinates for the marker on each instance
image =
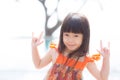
(65, 71)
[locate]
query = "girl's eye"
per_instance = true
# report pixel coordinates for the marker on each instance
(75, 35)
(66, 34)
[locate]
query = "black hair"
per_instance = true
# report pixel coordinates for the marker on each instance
(75, 23)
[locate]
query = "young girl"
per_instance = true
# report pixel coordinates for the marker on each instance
(71, 56)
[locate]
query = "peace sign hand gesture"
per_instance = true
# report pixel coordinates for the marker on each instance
(36, 41)
(104, 51)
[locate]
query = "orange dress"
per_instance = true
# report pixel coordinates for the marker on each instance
(65, 71)
(62, 71)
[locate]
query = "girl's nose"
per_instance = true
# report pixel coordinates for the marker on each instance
(70, 39)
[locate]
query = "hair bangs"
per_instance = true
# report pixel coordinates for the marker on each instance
(73, 25)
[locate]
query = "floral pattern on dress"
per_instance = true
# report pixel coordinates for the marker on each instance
(61, 72)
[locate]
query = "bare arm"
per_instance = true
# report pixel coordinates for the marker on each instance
(41, 62)
(35, 56)
(103, 73)
(105, 68)
(38, 62)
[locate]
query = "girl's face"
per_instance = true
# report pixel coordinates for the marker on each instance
(72, 41)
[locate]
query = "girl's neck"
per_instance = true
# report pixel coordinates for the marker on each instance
(66, 52)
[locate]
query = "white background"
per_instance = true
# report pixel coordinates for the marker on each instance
(19, 18)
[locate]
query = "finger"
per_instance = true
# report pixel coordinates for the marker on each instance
(40, 36)
(99, 52)
(108, 45)
(101, 45)
(32, 34)
(40, 42)
(33, 39)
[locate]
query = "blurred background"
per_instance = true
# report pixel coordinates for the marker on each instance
(19, 18)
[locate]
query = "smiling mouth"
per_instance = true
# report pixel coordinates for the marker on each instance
(71, 45)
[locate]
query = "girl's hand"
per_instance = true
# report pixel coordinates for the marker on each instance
(36, 41)
(104, 51)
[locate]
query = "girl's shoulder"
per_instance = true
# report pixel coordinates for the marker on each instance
(94, 57)
(54, 52)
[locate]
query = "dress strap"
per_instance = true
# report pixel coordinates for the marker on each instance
(52, 45)
(96, 57)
